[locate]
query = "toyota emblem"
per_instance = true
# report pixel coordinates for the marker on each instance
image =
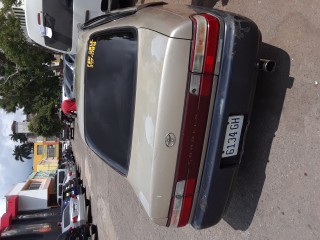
(170, 140)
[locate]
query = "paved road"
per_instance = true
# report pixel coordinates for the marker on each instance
(277, 195)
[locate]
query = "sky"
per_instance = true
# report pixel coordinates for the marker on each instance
(11, 171)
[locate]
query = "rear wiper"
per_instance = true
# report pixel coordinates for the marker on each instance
(109, 17)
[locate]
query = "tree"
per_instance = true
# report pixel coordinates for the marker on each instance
(8, 3)
(46, 122)
(15, 45)
(23, 151)
(27, 82)
(29, 90)
(21, 137)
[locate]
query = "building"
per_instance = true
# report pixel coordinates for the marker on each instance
(29, 225)
(46, 155)
(32, 212)
(20, 127)
(37, 192)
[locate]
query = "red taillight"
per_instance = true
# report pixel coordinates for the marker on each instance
(75, 219)
(39, 19)
(70, 174)
(201, 76)
(204, 44)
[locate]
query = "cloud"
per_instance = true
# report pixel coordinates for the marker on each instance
(11, 171)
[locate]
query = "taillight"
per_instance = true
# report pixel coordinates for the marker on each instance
(70, 174)
(201, 77)
(39, 19)
(204, 43)
(75, 219)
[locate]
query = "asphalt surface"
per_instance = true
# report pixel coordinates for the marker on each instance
(277, 194)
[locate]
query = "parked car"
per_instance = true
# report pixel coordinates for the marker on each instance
(65, 173)
(65, 145)
(84, 232)
(71, 189)
(54, 24)
(68, 75)
(72, 184)
(67, 133)
(75, 213)
(165, 99)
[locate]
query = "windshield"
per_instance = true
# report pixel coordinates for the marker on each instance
(57, 15)
(66, 216)
(110, 81)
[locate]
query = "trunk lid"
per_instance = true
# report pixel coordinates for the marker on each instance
(160, 95)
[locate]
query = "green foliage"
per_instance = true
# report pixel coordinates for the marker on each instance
(21, 137)
(15, 46)
(27, 82)
(29, 90)
(46, 123)
(8, 3)
(23, 151)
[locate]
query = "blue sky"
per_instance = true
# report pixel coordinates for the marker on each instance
(11, 171)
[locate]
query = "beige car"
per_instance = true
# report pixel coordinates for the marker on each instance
(164, 95)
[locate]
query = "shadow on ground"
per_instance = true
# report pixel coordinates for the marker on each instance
(208, 3)
(267, 108)
(94, 227)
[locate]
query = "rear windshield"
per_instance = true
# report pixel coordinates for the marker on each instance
(66, 216)
(110, 81)
(61, 176)
(57, 15)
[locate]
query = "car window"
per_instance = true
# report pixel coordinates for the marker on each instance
(68, 76)
(59, 190)
(110, 79)
(58, 16)
(66, 216)
(61, 176)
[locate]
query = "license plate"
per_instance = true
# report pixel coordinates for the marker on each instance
(233, 134)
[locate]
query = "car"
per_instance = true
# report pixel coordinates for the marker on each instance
(67, 133)
(65, 145)
(84, 232)
(65, 173)
(164, 96)
(75, 213)
(74, 185)
(71, 189)
(68, 75)
(54, 24)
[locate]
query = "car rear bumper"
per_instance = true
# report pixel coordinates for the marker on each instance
(234, 96)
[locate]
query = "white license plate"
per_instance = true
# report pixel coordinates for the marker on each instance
(233, 134)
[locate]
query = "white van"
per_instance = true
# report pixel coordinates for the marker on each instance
(54, 23)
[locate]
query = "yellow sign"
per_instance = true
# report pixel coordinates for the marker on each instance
(91, 49)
